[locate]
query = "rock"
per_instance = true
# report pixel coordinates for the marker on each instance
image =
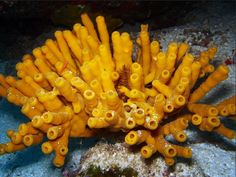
(206, 158)
(214, 161)
(105, 156)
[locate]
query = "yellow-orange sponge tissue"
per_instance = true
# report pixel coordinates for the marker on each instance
(84, 80)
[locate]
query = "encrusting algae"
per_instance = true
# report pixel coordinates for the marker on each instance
(83, 81)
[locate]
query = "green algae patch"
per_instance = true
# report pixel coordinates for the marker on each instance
(94, 171)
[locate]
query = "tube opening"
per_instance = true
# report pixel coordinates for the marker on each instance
(130, 122)
(180, 87)
(171, 151)
(165, 73)
(182, 136)
(214, 121)
(181, 99)
(140, 111)
(127, 108)
(184, 121)
(195, 118)
(134, 76)
(115, 75)
(131, 135)
(38, 76)
(169, 162)
(213, 111)
(159, 97)
(153, 123)
(109, 115)
(94, 82)
(169, 108)
(51, 133)
(26, 138)
(184, 80)
(89, 94)
(63, 150)
(144, 151)
(224, 112)
(136, 65)
(161, 55)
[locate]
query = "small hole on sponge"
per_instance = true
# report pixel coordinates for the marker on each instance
(127, 108)
(195, 118)
(27, 139)
(181, 99)
(171, 151)
(46, 148)
(89, 93)
(109, 115)
(145, 151)
(130, 122)
(132, 135)
(169, 107)
(181, 136)
(214, 120)
(152, 123)
(51, 133)
(213, 111)
(140, 111)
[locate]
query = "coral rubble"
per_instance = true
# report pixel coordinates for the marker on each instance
(78, 83)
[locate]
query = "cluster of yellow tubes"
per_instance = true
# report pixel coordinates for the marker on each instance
(78, 83)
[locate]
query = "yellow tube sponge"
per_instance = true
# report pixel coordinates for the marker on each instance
(136, 137)
(97, 122)
(73, 44)
(183, 47)
(175, 128)
(118, 50)
(106, 58)
(211, 52)
(55, 132)
(111, 117)
(3, 91)
(155, 49)
(89, 25)
(165, 148)
(227, 107)
(64, 48)
(203, 109)
(187, 62)
(164, 89)
(161, 63)
(183, 151)
(217, 76)
(30, 140)
(80, 82)
(93, 44)
(222, 130)
(65, 89)
(91, 100)
(127, 46)
(56, 118)
(107, 82)
(51, 58)
(50, 100)
(209, 123)
(83, 38)
(103, 32)
(145, 41)
(139, 116)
